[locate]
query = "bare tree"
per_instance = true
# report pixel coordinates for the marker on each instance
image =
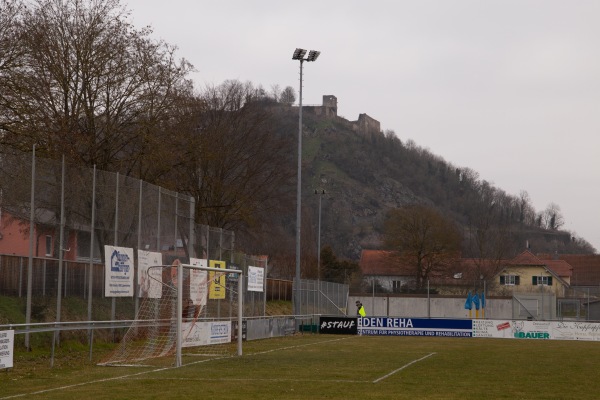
(488, 230)
(232, 162)
(288, 96)
(11, 51)
(88, 85)
(552, 217)
(11, 12)
(526, 210)
(423, 238)
(275, 92)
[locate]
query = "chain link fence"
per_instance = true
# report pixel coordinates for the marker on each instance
(56, 220)
(321, 297)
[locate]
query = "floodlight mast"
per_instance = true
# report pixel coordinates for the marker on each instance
(312, 56)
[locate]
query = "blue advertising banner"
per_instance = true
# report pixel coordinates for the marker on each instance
(384, 326)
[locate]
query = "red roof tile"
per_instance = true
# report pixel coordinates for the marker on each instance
(586, 267)
(388, 263)
(560, 267)
(526, 258)
(383, 263)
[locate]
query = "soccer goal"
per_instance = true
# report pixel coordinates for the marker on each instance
(196, 308)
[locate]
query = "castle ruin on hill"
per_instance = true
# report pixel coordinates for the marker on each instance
(364, 124)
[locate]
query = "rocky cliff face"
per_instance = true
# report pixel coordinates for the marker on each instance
(365, 175)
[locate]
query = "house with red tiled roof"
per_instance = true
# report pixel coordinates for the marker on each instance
(465, 275)
(525, 273)
(586, 269)
(386, 270)
(528, 273)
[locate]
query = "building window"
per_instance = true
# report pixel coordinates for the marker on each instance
(48, 246)
(541, 280)
(83, 247)
(397, 286)
(510, 280)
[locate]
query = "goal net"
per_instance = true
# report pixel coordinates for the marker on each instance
(186, 310)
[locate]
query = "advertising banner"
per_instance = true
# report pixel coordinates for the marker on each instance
(383, 326)
(217, 281)
(338, 325)
(198, 279)
(575, 330)
(256, 278)
(520, 329)
(118, 281)
(517, 329)
(205, 333)
(149, 279)
(7, 348)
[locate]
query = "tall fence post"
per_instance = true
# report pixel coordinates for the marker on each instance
(136, 270)
(56, 335)
(91, 264)
(113, 309)
(158, 220)
(175, 222)
(192, 235)
(44, 278)
(30, 263)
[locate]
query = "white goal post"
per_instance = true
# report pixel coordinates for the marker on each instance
(240, 280)
(208, 324)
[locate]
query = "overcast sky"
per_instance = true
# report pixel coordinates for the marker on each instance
(508, 88)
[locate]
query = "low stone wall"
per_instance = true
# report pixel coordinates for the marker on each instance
(434, 307)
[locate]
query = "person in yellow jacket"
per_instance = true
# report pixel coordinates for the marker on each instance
(360, 310)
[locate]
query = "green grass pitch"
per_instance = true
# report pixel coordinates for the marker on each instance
(312, 366)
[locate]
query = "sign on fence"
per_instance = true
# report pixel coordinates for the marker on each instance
(256, 278)
(216, 290)
(7, 347)
(198, 279)
(205, 333)
(149, 279)
(118, 281)
(415, 327)
(486, 328)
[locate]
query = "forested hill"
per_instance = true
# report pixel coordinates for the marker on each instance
(364, 175)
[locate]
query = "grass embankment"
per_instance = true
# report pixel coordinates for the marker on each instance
(12, 311)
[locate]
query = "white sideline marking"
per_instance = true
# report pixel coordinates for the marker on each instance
(263, 380)
(149, 372)
(402, 367)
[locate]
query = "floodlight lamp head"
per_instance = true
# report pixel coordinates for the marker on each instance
(298, 54)
(313, 55)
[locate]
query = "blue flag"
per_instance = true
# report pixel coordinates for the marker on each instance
(475, 300)
(468, 305)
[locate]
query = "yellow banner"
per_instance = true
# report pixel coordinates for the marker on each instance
(217, 281)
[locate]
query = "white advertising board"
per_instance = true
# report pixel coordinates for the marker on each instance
(256, 278)
(198, 279)
(206, 333)
(520, 329)
(149, 279)
(575, 331)
(118, 280)
(7, 348)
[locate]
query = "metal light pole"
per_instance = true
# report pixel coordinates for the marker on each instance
(312, 56)
(320, 193)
